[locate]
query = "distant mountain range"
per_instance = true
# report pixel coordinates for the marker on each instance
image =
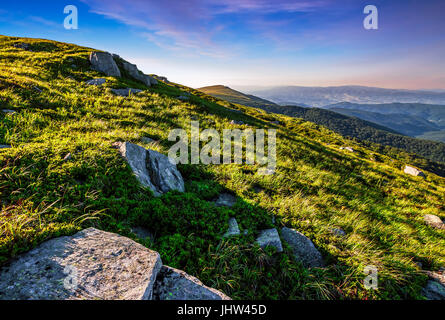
(347, 121)
(413, 119)
(322, 96)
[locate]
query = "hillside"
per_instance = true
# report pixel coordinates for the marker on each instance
(228, 94)
(322, 96)
(429, 155)
(61, 174)
(406, 124)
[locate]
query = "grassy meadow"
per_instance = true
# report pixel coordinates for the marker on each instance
(316, 186)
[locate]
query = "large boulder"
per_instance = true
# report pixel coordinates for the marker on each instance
(153, 169)
(270, 237)
(434, 221)
(303, 248)
(413, 171)
(97, 265)
(174, 284)
(91, 264)
(104, 62)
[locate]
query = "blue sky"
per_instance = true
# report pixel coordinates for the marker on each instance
(256, 43)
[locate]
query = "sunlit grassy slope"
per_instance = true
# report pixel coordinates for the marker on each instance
(228, 94)
(316, 186)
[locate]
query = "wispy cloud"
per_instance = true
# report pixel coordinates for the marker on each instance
(189, 26)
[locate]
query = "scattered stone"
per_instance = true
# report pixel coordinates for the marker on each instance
(233, 228)
(153, 169)
(5, 146)
(338, 232)
(125, 92)
(91, 264)
(226, 200)
(347, 148)
(303, 248)
(163, 79)
(104, 62)
(270, 237)
(236, 122)
(413, 171)
(67, 157)
(434, 221)
(142, 232)
(96, 82)
(174, 284)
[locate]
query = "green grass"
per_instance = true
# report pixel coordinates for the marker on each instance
(316, 186)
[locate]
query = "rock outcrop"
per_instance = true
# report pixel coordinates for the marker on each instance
(233, 228)
(303, 248)
(153, 169)
(104, 62)
(94, 264)
(270, 237)
(413, 171)
(434, 221)
(174, 284)
(135, 73)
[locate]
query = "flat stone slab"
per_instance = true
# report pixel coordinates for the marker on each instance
(225, 200)
(434, 221)
(233, 228)
(303, 248)
(5, 146)
(174, 284)
(125, 92)
(96, 82)
(9, 111)
(270, 237)
(91, 264)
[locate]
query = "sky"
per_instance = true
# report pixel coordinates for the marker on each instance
(253, 42)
